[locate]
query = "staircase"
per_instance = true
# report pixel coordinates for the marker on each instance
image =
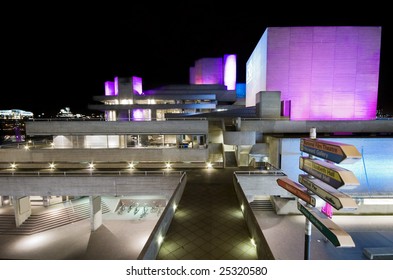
(48, 220)
(262, 205)
(230, 159)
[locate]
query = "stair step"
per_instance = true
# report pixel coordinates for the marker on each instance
(261, 205)
(49, 220)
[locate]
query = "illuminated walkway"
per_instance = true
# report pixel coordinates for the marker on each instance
(208, 223)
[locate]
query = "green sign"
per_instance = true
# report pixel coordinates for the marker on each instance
(337, 236)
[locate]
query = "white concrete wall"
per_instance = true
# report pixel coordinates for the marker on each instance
(107, 128)
(239, 137)
(45, 156)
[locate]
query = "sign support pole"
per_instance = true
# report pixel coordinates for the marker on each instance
(308, 226)
(307, 240)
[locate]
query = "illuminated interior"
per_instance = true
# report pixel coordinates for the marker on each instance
(180, 141)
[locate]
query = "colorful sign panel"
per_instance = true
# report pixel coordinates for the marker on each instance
(334, 197)
(337, 236)
(296, 189)
(331, 174)
(331, 151)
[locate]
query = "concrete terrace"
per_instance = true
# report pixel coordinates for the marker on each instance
(208, 225)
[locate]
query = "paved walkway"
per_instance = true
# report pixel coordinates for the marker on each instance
(208, 223)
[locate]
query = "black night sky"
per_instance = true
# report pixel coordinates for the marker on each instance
(60, 56)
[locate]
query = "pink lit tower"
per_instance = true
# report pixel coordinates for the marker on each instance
(322, 72)
(219, 70)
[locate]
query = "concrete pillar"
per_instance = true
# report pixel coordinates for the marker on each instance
(22, 209)
(238, 124)
(46, 201)
(95, 212)
(122, 141)
(268, 104)
(153, 114)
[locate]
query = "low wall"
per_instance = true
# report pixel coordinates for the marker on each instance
(153, 244)
(263, 249)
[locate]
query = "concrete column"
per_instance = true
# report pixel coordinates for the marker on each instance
(46, 201)
(123, 141)
(22, 209)
(153, 114)
(238, 124)
(95, 212)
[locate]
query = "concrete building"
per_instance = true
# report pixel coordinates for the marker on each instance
(322, 72)
(205, 125)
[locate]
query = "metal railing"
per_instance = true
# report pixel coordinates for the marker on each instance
(87, 173)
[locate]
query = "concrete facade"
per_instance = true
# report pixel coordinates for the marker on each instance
(90, 184)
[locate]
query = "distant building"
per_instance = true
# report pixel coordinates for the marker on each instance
(212, 87)
(15, 114)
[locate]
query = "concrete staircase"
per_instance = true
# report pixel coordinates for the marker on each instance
(50, 219)
(262, 205)
(230, 159)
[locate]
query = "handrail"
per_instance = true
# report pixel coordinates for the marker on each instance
(260, 172)
(49, 173)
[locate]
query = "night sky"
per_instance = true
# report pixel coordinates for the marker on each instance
(60, 56)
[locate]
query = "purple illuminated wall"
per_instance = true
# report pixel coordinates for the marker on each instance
(109, 88)
(116, 85)
(327, 73)
(230, 71)
(208, 71)
(122, 85)
(137, 85)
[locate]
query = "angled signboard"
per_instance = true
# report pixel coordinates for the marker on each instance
(331, 151)
(331, 174)
(336, 235)
(296, 189)
(334, 197)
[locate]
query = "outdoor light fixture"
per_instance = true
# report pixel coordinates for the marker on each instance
(131, 165)
(160, 239)
(168, 165)
(242, 207)
(209, 165)
(174, 206)
(253, 242)
(91, 166)
(52, 165)
(26, 147)
(13, 166)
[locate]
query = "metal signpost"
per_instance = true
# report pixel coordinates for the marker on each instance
(323, 179)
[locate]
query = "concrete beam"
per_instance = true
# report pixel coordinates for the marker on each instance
(85, 184)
